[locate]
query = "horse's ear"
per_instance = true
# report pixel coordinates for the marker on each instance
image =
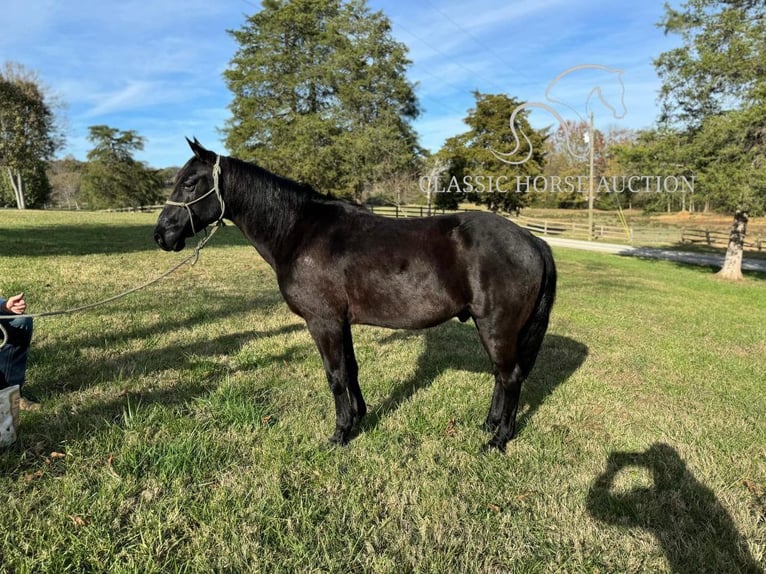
(200, 152)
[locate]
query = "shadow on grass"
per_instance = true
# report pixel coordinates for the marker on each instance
(695, 531)
(752, 268)
(93, 239)
(46, 431)
(456, 346)
(61, 365)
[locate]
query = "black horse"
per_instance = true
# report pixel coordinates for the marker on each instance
(337, 264)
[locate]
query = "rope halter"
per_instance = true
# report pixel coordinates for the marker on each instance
(215, 189)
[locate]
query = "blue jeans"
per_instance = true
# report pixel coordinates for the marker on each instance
(13, 354)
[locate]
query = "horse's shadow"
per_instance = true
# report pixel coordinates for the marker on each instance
(456, 346)
(695, 531)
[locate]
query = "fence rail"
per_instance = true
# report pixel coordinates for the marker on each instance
(562, 227)
(411, 210)
(575, 229)
(139, 209)
(579, 229)
(717, 238)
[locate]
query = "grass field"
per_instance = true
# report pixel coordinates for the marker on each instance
(183, 429)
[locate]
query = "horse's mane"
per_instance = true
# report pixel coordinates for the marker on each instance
(279, 201)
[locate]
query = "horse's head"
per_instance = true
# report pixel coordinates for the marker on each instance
(195, 203)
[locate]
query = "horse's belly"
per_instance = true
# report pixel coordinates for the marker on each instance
(404, 302)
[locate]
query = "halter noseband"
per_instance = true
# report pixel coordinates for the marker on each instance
(215, 189)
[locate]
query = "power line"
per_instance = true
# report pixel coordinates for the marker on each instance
(478, 41)
(449, 58)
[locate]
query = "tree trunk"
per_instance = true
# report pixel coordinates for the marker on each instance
(18, 188)
(732, 265)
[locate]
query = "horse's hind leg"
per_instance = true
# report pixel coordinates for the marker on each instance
(511, 390)
(329, 338)
(358, 406)
(499, 338)
(496, 406)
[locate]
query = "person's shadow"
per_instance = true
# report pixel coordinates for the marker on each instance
(456, 346)
(695, 531)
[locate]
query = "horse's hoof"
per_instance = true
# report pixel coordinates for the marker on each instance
(339, 438)
(496, 443)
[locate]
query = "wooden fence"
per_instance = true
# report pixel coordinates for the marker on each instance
(411, 210)
(578, 229)
(716, 238)
(574, 229)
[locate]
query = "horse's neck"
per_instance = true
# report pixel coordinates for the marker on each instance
(267, 211)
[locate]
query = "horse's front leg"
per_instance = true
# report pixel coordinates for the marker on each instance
(329, 338)
(358, 406)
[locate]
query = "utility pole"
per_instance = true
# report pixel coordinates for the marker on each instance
(590, 190)
(433, 180)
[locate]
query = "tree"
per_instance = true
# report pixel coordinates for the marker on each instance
(321, 95)
(476, 171)
(732, 265)
(65, 176)
(721, 64)
(714, 86)
(567, 154)
(28, 134)
(660, 152)
(36, 187)
(112, 178)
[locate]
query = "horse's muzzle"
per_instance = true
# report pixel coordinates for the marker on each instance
(177, 245)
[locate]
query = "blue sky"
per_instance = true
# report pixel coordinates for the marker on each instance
(156, 67)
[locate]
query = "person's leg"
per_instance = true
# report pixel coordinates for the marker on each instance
(13, 354)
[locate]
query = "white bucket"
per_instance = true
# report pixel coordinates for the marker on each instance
(9, 414)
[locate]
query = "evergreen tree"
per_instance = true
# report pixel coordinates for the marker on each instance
(320, 95)
(112, 178)
(720, 65)
(714, 86)
(476, 170)
(714, 90)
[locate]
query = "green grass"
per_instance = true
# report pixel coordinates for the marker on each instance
(183, 429)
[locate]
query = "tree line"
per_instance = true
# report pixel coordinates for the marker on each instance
(320, 94)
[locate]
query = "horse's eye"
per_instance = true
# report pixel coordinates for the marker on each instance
(190, 184)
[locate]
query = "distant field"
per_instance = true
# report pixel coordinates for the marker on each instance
(183, 429)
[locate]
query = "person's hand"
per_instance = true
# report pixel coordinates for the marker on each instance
(16, 304)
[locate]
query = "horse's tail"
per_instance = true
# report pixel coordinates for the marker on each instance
(533, 332)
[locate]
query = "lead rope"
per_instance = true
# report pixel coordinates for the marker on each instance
(194, 257)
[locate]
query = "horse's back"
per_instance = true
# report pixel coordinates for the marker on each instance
(410, 273)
